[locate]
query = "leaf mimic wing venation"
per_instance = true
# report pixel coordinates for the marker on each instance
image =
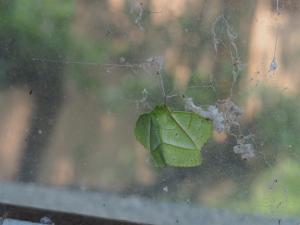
(147, 133)
(171, 132)
(142, 130)
(198, 129)
(173, 138)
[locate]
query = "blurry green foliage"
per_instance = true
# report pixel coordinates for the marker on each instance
(39, 31)
(36, 28)
(32, 31)
(277, 191)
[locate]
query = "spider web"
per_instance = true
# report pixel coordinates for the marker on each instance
(225, 113)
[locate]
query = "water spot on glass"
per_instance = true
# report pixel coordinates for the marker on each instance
(273, 65)
(188, 201)
(165, 189)
(122, 60)
(273, 183)
(46, 220)
(82, 187)
(279, 221)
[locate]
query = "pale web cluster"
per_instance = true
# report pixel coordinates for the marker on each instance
(225, 116)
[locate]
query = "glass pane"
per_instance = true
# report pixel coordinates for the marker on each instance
(75, 76)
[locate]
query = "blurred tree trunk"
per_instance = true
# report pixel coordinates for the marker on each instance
(15, 113)
(43, 81)
(45, 85)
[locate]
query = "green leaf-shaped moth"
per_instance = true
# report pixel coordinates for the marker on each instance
(173, 138)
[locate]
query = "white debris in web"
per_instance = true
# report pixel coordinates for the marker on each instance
(212, 113)
(165, 189)
(225, 117)
(217, 117)
(232, 112)
(246, 150)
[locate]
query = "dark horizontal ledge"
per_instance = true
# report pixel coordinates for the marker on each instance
(36, 215)
(66, 205)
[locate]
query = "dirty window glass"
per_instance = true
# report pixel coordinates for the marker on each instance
(75, 77)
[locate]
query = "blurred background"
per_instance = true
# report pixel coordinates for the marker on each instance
(75, 76)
